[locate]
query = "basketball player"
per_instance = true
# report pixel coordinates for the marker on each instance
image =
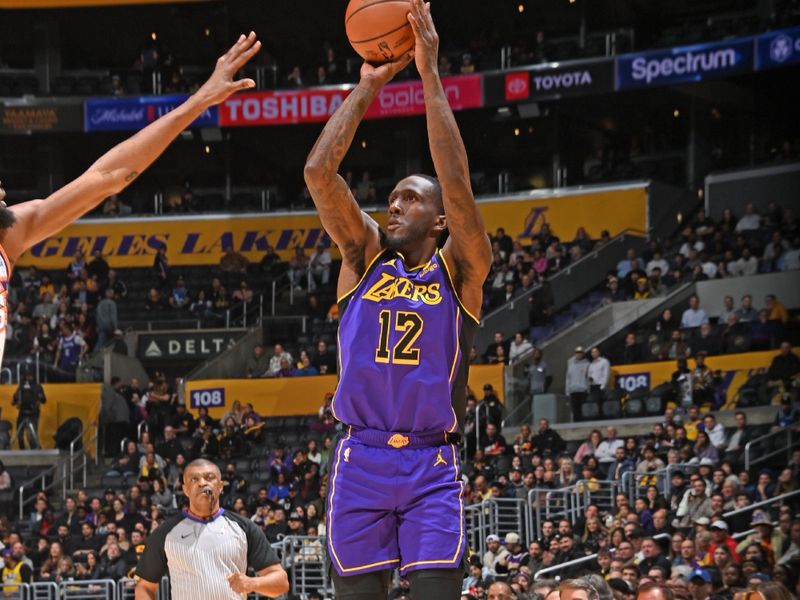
(27, 223)
(206, 550)
(408, 311)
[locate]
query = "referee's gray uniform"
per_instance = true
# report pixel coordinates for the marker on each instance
(199, 554)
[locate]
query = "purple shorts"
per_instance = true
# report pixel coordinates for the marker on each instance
(394, 508)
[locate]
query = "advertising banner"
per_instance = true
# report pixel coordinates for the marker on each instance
(736, 370)
(199, 240)
(40, 115)
(64, 401)
(776, 49)
(28, 4)
(131, 114)
(685, 64)
(185, 345)
(315, 105)
(289, 396)
(549, 82)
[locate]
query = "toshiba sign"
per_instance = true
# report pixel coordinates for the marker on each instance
(317, 105)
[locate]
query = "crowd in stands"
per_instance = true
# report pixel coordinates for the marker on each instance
(705, 249)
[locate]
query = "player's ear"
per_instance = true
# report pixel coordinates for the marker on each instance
(441, 225)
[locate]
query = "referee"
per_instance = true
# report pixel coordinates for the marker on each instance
(206, 550)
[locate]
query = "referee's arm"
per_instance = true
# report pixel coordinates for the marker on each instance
(271, 581)
(145, 590)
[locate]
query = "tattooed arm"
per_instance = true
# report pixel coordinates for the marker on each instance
(467, 249)
(355, 232)
(115, 170)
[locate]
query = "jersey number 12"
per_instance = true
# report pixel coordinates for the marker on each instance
(403, 353)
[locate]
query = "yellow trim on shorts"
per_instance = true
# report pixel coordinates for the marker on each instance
(361, 280)
(330, 516)
(453, 287)
(449, 561)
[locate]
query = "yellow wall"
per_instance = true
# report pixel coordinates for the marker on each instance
(736, 368)
(199, 240)
(64, 400)
(305, 395)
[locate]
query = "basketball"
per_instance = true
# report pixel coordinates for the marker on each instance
(379, 29)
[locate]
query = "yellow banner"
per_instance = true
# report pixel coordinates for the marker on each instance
(82, 3)
(290, 396)
(133, 242)
(736, 370)
(64, 400)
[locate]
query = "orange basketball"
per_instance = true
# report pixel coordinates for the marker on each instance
(379, 29)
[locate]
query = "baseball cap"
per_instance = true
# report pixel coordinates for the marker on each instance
(579, 349)
(109, 491)
(706, 462)
(293, 487)
(294, 517)
(679, 474)
(700, 574)
(719, 524)
(702, 521)
(759, 576)
(492, 538)
(620, 585)
(759, 518)
(512, 538)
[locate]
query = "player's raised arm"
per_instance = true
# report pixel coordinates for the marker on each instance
(115, 170)
(468, 245)
(354, 232)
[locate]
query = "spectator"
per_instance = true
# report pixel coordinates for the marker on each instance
(777, 311)
(607, 449)
(784, 368)
(70, 350)
(750, 221)
(233, 261)
(258, 363)
(106, 318)
(519, 347)
(694, 315)
(298, 267)
(706, 342)
(279, 355)
(695, 504)
(599, 371)
(538, 373)
(627, 264)
(621, 464)
(324, 360)
(746, 266)
(161, 266)
(179, 297)
(547, 442)
(631, 350)
(746, 312)
(320, 266)
(577, 382)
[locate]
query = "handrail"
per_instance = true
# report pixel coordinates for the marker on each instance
(748, 462)
(52, 470)
(583, 559)
(751, 507)
(82, 454)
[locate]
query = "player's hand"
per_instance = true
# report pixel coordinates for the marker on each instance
(221, 83)
(426, 49)
(240, 583)
(379, 76)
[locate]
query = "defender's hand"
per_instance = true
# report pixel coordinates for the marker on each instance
(426, 49)
(221, 84)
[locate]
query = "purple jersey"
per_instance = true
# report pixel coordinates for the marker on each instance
(404, 339)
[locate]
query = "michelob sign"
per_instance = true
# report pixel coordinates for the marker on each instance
(201, 240)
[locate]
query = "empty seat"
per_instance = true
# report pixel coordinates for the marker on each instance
(611, 409)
